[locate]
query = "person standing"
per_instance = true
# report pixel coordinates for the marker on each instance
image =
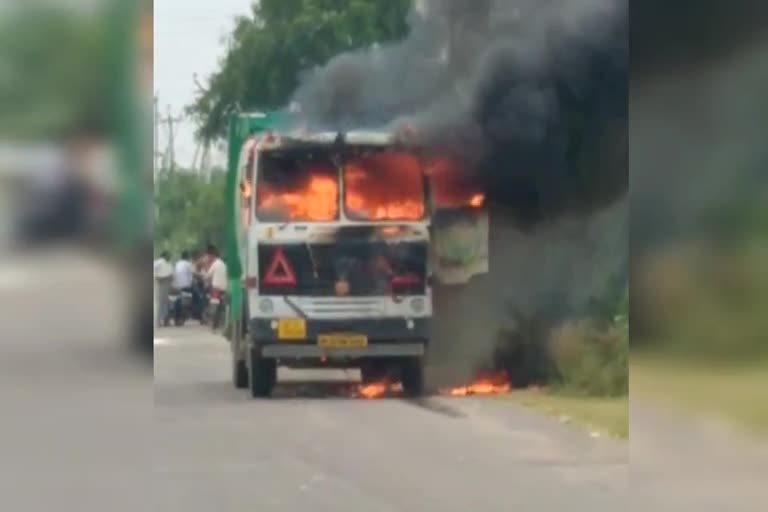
(183, 273)
(217, 277)
(163, 280)
(217, 271)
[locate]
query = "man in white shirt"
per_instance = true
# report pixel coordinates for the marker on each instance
(217, 271)
(163, 280)
(183, 273)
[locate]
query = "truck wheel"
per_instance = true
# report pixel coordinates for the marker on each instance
(239, 373)
(412, 376)
(262, 374)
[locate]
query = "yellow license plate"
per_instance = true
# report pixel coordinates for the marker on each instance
(342, 340)
(291, 329)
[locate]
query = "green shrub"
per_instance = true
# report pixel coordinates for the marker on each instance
(591, 359)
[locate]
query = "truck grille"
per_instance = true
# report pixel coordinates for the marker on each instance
(336, 307)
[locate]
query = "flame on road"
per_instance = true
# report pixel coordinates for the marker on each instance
(496, 384)
(490, 385)
(379, 389)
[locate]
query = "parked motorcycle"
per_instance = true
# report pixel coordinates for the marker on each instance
(216, 308)
(181, 307)
(199, 306)
(173, 301)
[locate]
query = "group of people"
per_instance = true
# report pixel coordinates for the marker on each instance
(209, 268)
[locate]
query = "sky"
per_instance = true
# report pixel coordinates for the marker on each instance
(189, 39)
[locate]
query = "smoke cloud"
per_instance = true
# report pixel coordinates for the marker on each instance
(531, 96)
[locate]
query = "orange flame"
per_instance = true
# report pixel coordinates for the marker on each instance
(477, 200)
(491, 385)
(317, 201)
(378, 389)
(385, 186)
(452, 185)
(246, 189)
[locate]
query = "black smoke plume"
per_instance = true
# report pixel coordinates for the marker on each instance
(531, 96)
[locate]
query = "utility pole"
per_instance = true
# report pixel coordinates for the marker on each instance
(195, 167)
(156, 134)
(205, 161)
(171, 141)
(170, 156)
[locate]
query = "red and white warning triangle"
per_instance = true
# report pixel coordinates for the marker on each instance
(279, 271)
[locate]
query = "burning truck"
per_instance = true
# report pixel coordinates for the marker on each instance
(335, 239)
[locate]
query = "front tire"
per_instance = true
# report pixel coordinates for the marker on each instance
(412, 377)
(239, 373)
(262, 374)
(178, 318)
(215, 316)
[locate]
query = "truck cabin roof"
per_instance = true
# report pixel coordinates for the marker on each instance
(327, 143)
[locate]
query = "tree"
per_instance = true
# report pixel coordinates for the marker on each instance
(283, 38)
(47, 79)
(191, 212)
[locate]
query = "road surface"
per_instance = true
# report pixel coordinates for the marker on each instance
(218, 449)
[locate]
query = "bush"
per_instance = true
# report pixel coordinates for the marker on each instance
(522, 352)
(592, 360)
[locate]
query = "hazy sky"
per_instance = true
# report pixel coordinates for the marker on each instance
(189, 39)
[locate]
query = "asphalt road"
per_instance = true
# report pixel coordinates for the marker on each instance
(80, 431)
(313, 448)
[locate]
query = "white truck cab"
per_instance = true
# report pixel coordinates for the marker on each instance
(334, 241)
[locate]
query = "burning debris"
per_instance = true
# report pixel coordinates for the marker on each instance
(495, 384)
(378, 389)
(490, 385)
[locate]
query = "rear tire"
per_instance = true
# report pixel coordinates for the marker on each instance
(412, 377)
(262, 374)
(215, 317)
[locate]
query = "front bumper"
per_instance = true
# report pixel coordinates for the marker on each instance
(314, 352)
(389, 337)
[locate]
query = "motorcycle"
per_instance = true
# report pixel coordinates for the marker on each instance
(216, 308)
(173, 301)
(181, 306)
(199, 305)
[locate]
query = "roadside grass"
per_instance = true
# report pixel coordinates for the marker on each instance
(734, 393)
(608, 416)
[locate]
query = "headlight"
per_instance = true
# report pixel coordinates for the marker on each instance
(417, 305)
(266, 306)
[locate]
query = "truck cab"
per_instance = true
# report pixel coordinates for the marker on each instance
(334, 242)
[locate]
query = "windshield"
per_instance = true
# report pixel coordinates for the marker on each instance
(296, 189)
(384, 186)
